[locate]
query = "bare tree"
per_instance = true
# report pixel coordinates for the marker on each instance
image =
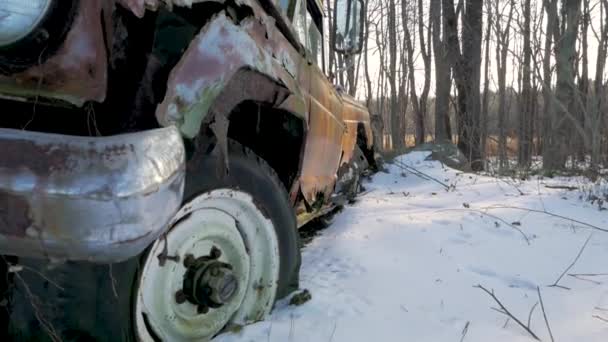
(503, 39)
(467, 74)
(565, 55)
(486, 83)
(526, 122)
(398, 141)
(443, 76)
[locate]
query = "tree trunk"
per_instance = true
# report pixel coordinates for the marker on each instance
(549, 145)
(398, 141)
(527, 99)
(443, 76)
(467, 73)
(565, 86)
(486, 84)
(598, 88)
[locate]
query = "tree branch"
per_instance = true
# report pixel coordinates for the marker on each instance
(555, 284)
(506, 312)
(550, 214)
(542, 306)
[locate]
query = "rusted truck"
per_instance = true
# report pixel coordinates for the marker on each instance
(157, 158)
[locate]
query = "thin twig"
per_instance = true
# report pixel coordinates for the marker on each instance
(465, 330)
(588, 274)
(27, 268)
(421, 174)
(531, 312)
(588, 225)
(584, 279)
(113, 282)
(542, 307)
(601, 318)
(331, 337)
(494, 217)
(46, 325)
(506, 312)
(573, 262)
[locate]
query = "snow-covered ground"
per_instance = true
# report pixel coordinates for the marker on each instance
(402, 264)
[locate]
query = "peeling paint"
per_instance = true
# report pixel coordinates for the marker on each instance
(221, 50)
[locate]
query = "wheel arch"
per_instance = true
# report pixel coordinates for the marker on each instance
(261, 114)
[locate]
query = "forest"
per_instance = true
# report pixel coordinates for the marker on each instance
(514, 83)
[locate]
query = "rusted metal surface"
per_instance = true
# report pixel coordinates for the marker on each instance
(354, 116)
(77, 72)
(99, 199)
(218, 53)
(324, 140)
(229, 62)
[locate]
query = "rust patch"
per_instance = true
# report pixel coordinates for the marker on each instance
(14, 215)
(43, 159)
(77, 72)
(39, 159)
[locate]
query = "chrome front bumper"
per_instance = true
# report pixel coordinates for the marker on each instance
(102, 199)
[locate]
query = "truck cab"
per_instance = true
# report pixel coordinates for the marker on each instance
(160, 156)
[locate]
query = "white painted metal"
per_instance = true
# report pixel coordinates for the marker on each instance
(230, 220)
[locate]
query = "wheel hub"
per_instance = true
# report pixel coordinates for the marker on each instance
(223, 270)
(208, 282)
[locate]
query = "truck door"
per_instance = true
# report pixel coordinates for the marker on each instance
(324, 140)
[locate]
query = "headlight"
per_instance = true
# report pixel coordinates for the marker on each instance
(18, 18)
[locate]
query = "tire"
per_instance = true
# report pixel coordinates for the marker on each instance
(80, 301)
(252, 174)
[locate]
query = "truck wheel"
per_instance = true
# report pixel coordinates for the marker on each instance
(232, 251)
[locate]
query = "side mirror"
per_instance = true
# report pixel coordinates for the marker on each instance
(349, 17)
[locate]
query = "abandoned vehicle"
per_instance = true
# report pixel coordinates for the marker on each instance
(159, 156)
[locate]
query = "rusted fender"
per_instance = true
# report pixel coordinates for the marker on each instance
(78, 71)
(220, 51)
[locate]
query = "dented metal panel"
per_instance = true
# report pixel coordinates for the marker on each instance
(79, 198)
(324, 140)
(77, 72)
(354, 115)
(220, 51)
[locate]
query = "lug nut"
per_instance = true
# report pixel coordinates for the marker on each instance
(180, 297)
(202, 309)
(215, 253)
(189, 260)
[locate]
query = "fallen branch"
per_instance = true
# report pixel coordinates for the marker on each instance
(561, 187)
(464, 331)
(542, 306)
(584, 279)
(505, 311)
(580, 252)
(588, 225)
(531, 312)
(588, 274)
(494, 217)
(601, 318)
(420, 174)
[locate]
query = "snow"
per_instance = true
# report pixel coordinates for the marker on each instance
(402, 262)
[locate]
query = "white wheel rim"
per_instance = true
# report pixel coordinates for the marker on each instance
(231, 221)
